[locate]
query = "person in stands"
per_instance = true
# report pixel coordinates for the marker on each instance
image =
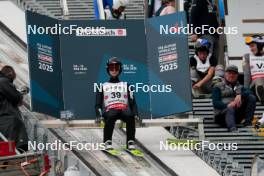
(232, 102)
(202, 68)
(203, 14)
(114, 9)
(167, 7)
(253, 66)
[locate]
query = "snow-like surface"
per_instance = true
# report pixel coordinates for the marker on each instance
(14, 18)
(182, 162)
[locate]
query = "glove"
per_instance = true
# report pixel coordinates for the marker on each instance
(24, 90)
(138, 120)
(99, 117)
(98, 120)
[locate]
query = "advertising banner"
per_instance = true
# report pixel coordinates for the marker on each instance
(168, 64)
(155, 64)
(44, 65)
(84, 57)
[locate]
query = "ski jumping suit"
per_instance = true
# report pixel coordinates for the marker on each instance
(116, 102)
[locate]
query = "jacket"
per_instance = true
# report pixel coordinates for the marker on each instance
(11, 123)
(203, 13)
(223, 93)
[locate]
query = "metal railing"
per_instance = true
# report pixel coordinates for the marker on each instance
(64, 9)
(31, 6)
(218, 160)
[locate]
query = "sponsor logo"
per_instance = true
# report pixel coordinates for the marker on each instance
(101, 32)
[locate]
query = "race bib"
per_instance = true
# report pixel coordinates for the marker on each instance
(115, 96)
(256, 66)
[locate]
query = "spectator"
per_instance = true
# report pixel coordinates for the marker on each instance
(202, 67)
(114, 9)
(11, 123)
(203, 14)
(187, 5)
(153, 6)
(167, 7)
(156, 6)
(253, 66)
(232, 102)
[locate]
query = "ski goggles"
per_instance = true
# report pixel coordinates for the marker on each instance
(114, 67)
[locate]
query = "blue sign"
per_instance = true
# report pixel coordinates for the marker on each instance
(69, 58)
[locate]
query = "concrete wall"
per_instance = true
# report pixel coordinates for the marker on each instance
(13, 18)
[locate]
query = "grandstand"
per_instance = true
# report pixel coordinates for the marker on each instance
(250, 142)
(77, 9)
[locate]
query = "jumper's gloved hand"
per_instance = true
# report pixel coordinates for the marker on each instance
(138, 120)
(99, 118)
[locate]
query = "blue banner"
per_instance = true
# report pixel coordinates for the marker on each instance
(169, 64)
(66, 63)
(44, 65)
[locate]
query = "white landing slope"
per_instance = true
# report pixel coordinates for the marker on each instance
(182, 162)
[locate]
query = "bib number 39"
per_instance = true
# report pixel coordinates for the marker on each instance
(116, 95)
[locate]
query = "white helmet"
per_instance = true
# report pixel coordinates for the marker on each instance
(119, 3)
